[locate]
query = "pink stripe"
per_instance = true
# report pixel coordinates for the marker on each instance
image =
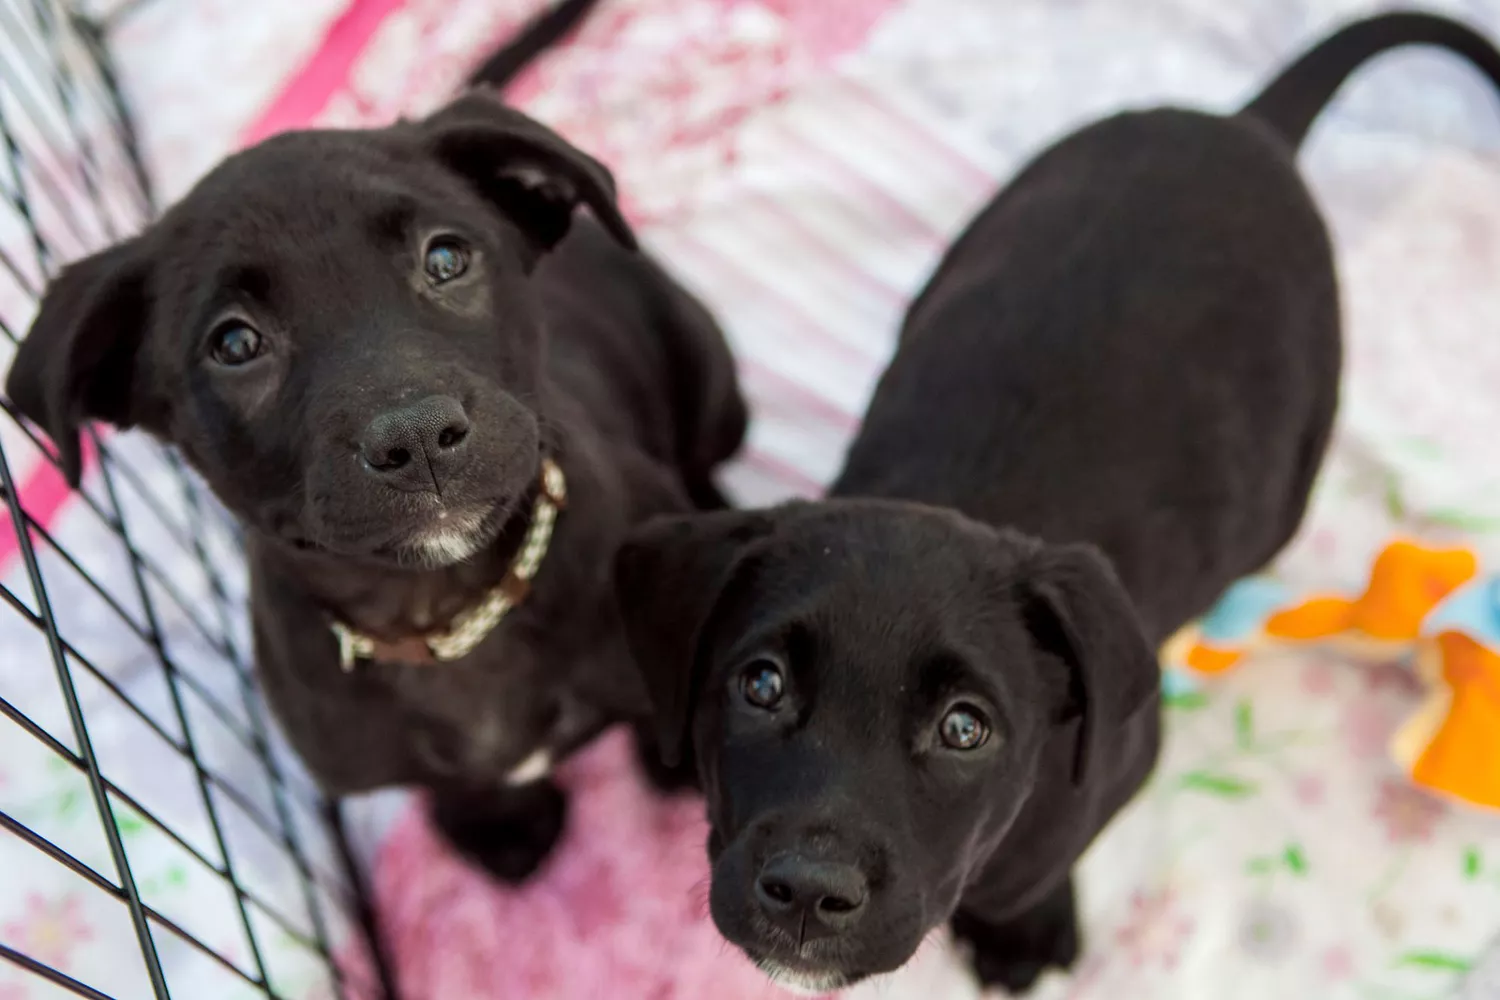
(44, 493)
(800, 395)
(785, 472)
(922, 136)
(770, 292)
(886, 204)
(843, 261)
(309, 91)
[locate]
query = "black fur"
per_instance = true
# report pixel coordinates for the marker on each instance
(1110, 401)
(546, 31)
(383, 451)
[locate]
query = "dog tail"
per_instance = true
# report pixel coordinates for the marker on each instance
(1293, 100)
(544, 31)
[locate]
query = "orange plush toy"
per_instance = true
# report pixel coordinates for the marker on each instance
(1422, 602)
(1407, 581)
(1452, 743)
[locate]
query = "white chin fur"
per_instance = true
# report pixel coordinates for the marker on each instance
(452, 541)
(534, 768)
(807, 984)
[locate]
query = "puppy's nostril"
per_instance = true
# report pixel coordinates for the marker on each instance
(394, 459)
(410, 439)
(836, 904)
(777, 890)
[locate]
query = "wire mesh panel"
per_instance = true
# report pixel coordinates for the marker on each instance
(156, 838)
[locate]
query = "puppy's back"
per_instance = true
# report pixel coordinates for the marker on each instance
(1135, 344)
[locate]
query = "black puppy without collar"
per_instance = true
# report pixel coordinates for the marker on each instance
(367, 342)
(919, 701)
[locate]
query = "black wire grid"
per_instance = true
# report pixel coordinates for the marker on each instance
(143, 788)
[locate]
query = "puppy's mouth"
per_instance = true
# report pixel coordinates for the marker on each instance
(445, 535)
(451, 536)
(808, 968)
(804, 980)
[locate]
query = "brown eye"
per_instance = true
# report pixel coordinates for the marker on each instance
(762, 684)
(236, 343)
(964, 728)
(446, 259)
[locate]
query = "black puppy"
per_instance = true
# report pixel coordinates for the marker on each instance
(436, 411)
(1111, 400)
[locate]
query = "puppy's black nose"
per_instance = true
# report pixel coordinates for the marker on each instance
(416, 446)
(811, 899)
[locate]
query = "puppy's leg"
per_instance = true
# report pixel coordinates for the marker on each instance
(682, 777)
(1015, 952)
(506, 831)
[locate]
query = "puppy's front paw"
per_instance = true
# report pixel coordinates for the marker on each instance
(508, 833)
(1014, 953)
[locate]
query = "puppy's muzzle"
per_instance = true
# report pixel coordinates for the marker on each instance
(418, 447)
(810, 899)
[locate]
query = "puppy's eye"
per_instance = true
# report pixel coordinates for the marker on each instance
(763, 683)
(446, 259)
(235, 343)
(964, 728)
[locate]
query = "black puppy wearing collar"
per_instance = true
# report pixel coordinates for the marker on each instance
(917, 703)
(436, 402)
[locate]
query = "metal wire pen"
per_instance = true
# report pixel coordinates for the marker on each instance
(71, 180)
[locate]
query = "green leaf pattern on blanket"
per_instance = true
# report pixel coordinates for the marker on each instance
(1278, 769)
(1218, 774)
(1244, 725)
(1435, 960)
(1224, 785)
(1292, 860)
(68, 804)
(1186, 701)
(128, 822)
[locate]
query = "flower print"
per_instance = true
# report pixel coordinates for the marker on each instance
(1366, 728)
(1392, 675)
(1309, 789)
(1319, 677)
(1337, 963)
(1085, 975)
(1408, 814)
(50, 929)
(1267, 931)
(1155, 930)
(827, 28)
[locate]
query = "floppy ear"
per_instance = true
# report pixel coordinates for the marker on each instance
(78, 361)
(1079, 612)
(669, 576)
(533, 174)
